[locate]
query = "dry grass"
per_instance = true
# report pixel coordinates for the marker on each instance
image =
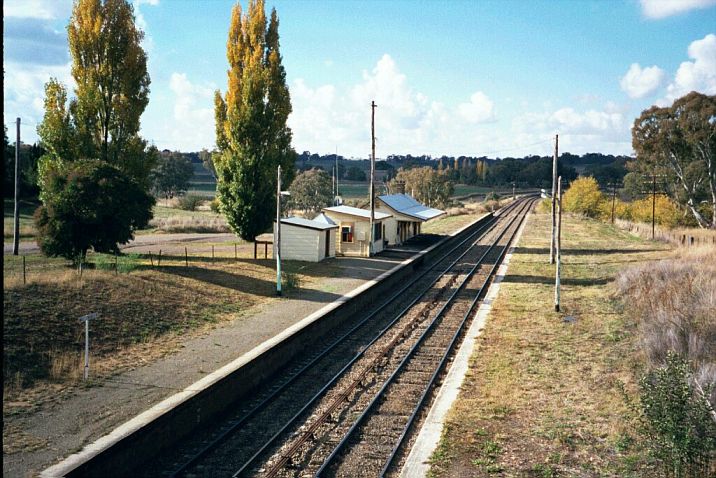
(544, 397)
(143, 315)
(177, 224)
(675, 303)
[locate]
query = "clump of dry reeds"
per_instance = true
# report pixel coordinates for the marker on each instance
(190, 224)
(675, 303)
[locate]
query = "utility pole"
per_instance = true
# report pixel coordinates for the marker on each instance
(653, 205)
(372, 174)
(278, 232)
(335, 196)
(16, 224)
(554, 199)
(614, 197)
(557, 283)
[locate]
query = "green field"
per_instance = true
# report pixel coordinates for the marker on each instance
(27, 226)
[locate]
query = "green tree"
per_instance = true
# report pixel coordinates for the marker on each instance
(89, 204)
(430, 187)
(171, 174)
(680, 142)
(354, 173)
(252, 137)
(311, 191)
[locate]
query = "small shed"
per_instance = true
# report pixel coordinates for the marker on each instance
(353, 237)
(310, 240)
(407, 216)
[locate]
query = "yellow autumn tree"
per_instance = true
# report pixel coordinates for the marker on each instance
(252, 137)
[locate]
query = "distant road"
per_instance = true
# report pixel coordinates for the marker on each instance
(143, 241)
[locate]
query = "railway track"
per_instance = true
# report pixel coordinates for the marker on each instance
(317, 416)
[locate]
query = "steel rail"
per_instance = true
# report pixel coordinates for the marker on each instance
(421, 402)
(257, 408)
(344, 441)
(248, 464)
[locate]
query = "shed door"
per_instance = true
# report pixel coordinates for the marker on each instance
(328, 242)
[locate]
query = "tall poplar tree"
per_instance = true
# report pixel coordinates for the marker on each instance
(252, 137)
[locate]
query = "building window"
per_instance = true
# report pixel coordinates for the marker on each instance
(377, 231)
(347, 232)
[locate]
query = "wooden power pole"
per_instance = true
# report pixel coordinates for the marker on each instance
(558, 253)
(372, 174)
(552, 244)
(16, 224)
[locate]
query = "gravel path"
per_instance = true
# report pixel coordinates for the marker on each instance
(63, 427)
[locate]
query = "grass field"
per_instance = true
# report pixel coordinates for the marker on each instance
(543, 397)
(27, 227)
(145, 310)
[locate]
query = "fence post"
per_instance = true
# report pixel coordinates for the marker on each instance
(24, 281)
(186, 257)
(212, 252)
(151, 260)
(159, 259)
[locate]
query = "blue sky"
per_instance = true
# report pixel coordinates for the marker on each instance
(449, 77)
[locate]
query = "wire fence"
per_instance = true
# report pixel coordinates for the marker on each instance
(680, 237)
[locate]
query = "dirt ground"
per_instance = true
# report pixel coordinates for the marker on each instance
(72, 417)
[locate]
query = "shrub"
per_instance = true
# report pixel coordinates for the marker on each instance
(89, 204)
(622, 210)
(583, 197)
(214, 205)
(190, 202)
(676, 419)
(493, 196)
(667, 211)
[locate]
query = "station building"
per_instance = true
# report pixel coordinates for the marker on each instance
(353, 237)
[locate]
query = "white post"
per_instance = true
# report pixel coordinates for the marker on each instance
(86, 374)
(278, 233)
(552, 244)
(558, 244)
(86, 319)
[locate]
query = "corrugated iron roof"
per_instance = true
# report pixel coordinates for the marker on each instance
(324, 219)
(354, 211)
(406, 204)
(311, 224)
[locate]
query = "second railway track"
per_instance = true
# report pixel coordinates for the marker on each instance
(348, 408)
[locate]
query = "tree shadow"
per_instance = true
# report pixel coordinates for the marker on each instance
(577, 252)
(246, 284)
(526, 279)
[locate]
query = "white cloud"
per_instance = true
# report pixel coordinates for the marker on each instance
(604, 130)
(697, 75)
(407, 121)
(638, 82)
(191, 125)
(656, 9)
(41, 9)
(480, 109)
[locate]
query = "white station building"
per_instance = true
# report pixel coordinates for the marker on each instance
(353, 236)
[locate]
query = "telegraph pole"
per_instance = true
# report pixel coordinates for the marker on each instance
(614, 197)
(278, 232)
(653, 205)
(552, 244)
(16, 224)
(557, 280)
(372, 174)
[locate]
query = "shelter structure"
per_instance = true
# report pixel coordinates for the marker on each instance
(310, 240)
(407, 216)
(353, 238)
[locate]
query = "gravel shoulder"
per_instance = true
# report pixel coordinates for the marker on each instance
(57, 428)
